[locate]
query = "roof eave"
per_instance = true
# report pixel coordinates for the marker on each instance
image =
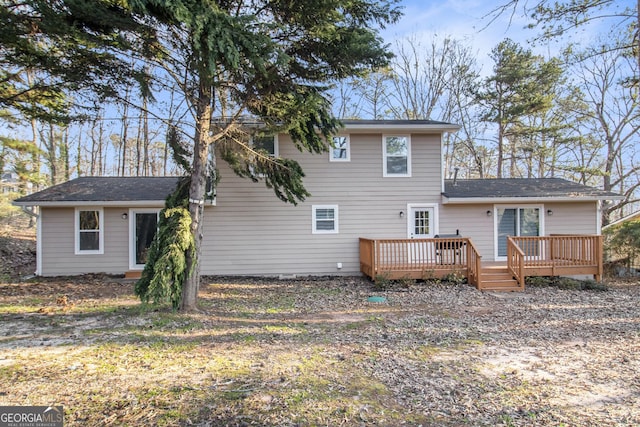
(105, 203)
(404, 128)
(485, 200)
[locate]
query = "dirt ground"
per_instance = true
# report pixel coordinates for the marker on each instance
(17, 249)
(317, 352)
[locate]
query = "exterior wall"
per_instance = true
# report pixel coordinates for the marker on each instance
(251, 232)
(58, 256)
(473, 222)
(572, 218)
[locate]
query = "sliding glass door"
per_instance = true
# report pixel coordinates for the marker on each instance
(516, 222)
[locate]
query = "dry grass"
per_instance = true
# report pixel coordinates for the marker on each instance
(315, 352)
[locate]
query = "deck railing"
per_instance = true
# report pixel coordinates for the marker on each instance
(417, 258)
(367, 257)
(561, 254)
(474, 272)
(515, 261)
(438, 257)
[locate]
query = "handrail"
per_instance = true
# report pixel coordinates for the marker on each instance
(515, 261)
(474, 264)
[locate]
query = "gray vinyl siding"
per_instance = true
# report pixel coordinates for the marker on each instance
(473, 222)
(251, 232)
(572, 218)
(58, 250)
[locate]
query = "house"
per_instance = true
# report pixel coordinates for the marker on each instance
(10, 183)
(382, 181)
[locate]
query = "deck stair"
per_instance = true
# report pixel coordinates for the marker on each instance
(498, 278)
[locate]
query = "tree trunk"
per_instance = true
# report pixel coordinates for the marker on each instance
(138, 146)
(500, 149)
(123, 133)
(145, 138)
(197, 193)
(65, 154)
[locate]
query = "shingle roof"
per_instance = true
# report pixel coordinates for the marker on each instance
(522, 188)
(152, 189)
(107, 189)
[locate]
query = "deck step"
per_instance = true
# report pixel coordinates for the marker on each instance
(498, 279)
(133, 274)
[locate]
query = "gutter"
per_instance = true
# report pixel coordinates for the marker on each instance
(74, 203)
(484, 200)
(404, 128)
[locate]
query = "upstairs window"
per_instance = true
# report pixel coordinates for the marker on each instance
(396, 155)
(340, 149)
(325, 219)
(262, 144)
(89, 225)
(268, 143)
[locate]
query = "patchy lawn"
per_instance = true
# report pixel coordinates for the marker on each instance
(315, 352)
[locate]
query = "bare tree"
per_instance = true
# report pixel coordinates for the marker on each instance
(421, 75)
(613, 115)
(55, 144)
(563, 18)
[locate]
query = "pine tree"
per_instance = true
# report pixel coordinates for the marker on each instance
(522, 85)
(166, 268)
(271, 60)
(51, 49)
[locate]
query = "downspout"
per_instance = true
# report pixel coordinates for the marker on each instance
(32, 214)
(38, 271)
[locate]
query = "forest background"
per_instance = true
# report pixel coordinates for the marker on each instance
(538, 92)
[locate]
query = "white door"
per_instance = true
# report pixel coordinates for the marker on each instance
(142, 229)
(421, 222)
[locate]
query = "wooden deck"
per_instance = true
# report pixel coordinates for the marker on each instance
(438, 258)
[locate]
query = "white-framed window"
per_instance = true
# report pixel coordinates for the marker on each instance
(268, 143)
(396, 158)
(340, 149)
(325, 219)
(262, 143)
(89, 231)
